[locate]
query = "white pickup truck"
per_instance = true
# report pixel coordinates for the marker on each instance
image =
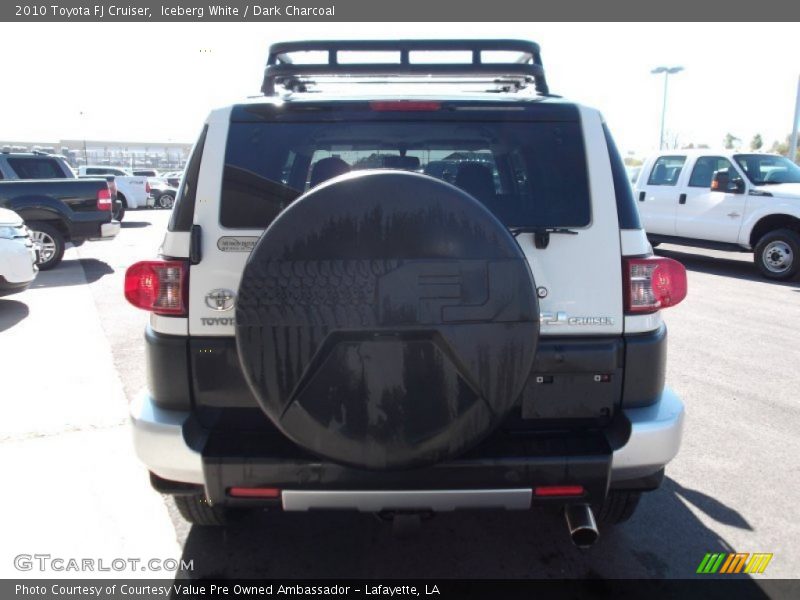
(133, 191)
(725, 200)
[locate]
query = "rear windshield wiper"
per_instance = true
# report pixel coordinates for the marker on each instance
(541, 235)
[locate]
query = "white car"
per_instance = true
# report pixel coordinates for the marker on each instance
(133, 191)
(331, 328)
(727, 200)
(17, 254)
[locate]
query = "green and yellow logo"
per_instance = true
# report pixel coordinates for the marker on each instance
(734, 562)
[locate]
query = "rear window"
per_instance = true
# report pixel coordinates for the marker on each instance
(36, 168)
(528, 174)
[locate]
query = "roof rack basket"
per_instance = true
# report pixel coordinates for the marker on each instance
(493, 61)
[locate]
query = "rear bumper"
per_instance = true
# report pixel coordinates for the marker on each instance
(500, 476)
(656, 433)
(17, 266)
(108, 231)
(13, 287)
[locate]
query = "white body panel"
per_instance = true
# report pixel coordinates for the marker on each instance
(708, 214)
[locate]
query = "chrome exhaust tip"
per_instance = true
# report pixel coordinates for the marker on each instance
(581, 525)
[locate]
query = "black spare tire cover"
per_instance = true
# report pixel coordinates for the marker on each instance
(386, 319)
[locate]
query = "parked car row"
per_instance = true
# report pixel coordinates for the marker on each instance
(163, 186)
(59, 206)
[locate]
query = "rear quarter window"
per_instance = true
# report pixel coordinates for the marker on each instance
(627, 213)
(529, 174)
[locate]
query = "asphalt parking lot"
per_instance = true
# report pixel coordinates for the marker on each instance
(73, 349)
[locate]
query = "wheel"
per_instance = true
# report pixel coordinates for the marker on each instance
(50, 244)
(119, 211)
(777, 254)
(166, 201)
(618, 507)
(197, 510)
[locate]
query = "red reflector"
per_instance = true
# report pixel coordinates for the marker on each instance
(159, 286)
(653, 283)
(243, 492)
(104, 199)
(558, 490)
(403, 105)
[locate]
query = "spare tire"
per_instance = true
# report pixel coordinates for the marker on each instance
(386, 320)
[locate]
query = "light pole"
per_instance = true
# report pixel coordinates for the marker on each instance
(85, 154)
(667, 71)
(793, 144)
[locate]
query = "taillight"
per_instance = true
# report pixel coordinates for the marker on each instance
(558, 490)
(160, 286)
(404, 105)
(245, 492)
(104, 199)
(653, 283)
(147, 187)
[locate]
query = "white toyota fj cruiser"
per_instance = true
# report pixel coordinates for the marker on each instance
(431, 294)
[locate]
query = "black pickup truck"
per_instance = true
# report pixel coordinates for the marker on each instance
(59, 211)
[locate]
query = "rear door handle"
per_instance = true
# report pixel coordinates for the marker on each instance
(682, 199)
(641, 196)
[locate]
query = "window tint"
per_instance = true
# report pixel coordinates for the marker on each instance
(666, 170)
(183, 211)
(36, 168)
(527, 174)
(706, 166)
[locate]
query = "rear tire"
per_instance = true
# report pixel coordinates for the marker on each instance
(50, 242)
(777, 254)
(119, 212)
(197, 510)
(618, 507)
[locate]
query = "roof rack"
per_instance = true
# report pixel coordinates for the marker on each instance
(488, 63)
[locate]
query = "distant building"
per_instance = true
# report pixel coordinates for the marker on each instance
(157, 155)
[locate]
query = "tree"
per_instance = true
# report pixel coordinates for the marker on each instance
(731, 141)
(757, 142)
(783, 148)
(672, 140)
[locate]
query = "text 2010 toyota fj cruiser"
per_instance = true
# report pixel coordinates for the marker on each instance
(408, 286)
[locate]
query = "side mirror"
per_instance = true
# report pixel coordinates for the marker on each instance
(721, 182)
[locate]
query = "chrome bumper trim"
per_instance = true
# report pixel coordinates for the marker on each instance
(380, 500)
(656, 433)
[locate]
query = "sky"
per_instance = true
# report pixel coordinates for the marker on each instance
(157, 81)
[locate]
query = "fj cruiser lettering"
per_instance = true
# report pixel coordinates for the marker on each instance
(440, 298)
